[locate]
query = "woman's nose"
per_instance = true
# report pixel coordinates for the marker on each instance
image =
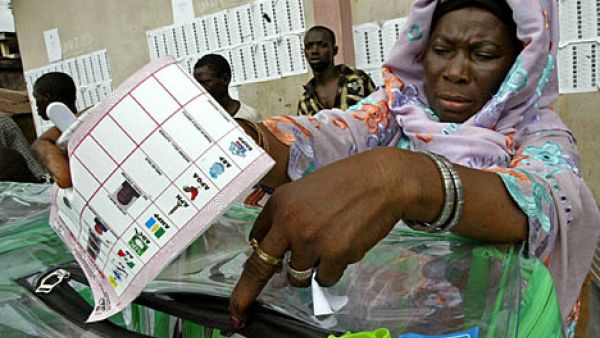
(457, 69)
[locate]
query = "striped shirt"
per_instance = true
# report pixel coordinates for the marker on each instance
(353, 86)
(11, 137)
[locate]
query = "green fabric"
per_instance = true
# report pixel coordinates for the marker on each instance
(539, 315)
(161, 325)
(476, 289)
(192, 330)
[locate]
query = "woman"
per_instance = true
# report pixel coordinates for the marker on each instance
(515, 175)
(516, 161)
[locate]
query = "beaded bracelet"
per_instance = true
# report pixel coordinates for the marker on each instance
(449, 198)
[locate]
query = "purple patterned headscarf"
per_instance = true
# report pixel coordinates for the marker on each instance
(521, 105)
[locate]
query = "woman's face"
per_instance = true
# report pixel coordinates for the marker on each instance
(467, 58)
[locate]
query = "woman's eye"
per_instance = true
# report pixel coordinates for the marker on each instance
(485, 56)
(440, 50)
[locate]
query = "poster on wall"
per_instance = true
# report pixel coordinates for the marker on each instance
(53, 48)
(183, 11)
(152, 166)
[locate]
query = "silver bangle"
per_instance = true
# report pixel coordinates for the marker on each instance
(459, 200)
(449, 197)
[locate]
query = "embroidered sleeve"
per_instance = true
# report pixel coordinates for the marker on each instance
(543, 179)
(334, 134)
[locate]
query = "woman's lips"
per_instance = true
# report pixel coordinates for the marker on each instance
(452, 104)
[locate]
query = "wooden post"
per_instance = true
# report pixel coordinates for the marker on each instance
(337, 15)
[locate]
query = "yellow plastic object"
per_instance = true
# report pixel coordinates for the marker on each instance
(379, 333)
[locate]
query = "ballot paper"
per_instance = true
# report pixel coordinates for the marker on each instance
(152, 166)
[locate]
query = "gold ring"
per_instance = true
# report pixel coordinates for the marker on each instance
(265, 257)
(300, 275)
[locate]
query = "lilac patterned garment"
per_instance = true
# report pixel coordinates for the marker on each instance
(516, 134)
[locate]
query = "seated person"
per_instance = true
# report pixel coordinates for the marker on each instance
(213, 72)
(13, 167)
(13, 141)
(333, 86)
(48, 88)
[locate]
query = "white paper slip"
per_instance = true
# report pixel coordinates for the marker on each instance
(325, 303)
(152, 166)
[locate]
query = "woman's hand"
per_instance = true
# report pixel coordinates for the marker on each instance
(52, 157)
(332, 217)
(328, 219)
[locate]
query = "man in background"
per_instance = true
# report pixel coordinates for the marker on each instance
(332, 86)
(54, 87)
(213, 72)
(49, 88)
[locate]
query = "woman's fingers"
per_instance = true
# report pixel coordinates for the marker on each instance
(262, 224)
(330, 271)
(303, 258)
(256, 274)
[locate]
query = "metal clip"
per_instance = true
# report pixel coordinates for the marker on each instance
(51, 280)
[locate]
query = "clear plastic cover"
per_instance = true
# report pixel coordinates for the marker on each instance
(409, 282)
(28, 245)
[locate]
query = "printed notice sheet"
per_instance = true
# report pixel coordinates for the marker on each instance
(152, 166)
